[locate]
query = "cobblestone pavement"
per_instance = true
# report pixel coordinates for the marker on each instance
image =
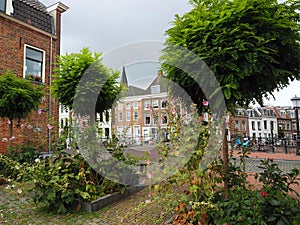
(134, 210)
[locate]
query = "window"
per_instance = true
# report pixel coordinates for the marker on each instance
(253, 125)
(135, 105)
(164, 118)
(107, 116)
(120, 106)
(135, 116)
(265, 125)
(147, 104)
(155, 89)
(243, 125)
(2, 5)
(164, 103)
(101, 117)
(237, 125)
(147, 119)
(258, 125)
(155, 104)
(128, 106)
(128, 116)
(34, 64)
(120, 116)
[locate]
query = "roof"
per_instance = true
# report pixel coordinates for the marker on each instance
(34, 13)
(135, 91)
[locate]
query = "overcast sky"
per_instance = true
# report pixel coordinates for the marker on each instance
(104, 25)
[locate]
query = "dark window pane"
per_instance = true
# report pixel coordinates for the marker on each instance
(34, 54)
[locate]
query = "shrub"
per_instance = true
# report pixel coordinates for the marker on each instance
(58, 181)
(270, 204)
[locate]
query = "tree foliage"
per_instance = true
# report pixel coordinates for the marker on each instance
(18, 97)
(81, 76)
(251, 46)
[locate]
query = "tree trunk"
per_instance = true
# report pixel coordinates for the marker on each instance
(225, 164)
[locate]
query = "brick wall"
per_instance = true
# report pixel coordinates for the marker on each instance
(13, 36)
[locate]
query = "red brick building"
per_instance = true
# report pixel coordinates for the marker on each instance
(29, 43)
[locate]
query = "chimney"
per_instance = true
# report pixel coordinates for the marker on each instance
(55, 11)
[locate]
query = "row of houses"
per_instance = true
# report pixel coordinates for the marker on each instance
(143, 113)
(268, 124)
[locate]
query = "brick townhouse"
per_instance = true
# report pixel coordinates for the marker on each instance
(143, 115)
(30, 38)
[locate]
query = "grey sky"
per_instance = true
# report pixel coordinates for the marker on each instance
(103, 25)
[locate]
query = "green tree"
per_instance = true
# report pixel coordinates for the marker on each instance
(251, 46)
(18, 97)
(82, 77)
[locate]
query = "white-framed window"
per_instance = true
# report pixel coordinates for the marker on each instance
(258, 125)
(155, 104)
(120, 106)
(164, 118)
(128, 116)
(135, 105)
(120, 116)
(237, 125)
(163, 103)
(128, 106)
(243, 125)
(135, 116)
(147, 118)
(120, 130)
(265, 124)
(3, 5)
(155, 89)
(147, 104)
(253, 125)
(34, 63)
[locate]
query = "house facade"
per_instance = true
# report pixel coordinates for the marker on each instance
(142, 114)
(30, 35)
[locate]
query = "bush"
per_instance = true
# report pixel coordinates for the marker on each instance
(58, 181)
(271, 204)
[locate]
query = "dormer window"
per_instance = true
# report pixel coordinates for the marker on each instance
(3, 5)
(155, 89)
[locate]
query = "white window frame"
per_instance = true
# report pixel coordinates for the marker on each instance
(120, 116)
(146, 116)
(120, 106)
(155, 89)
(135, 116)
(155, 104)
(147, 104)
(43, 62)
(128, 106)
(163, 103)
(135, 105)
(164, 117)
(128, 116)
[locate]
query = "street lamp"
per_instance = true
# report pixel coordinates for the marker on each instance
(296, 105)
